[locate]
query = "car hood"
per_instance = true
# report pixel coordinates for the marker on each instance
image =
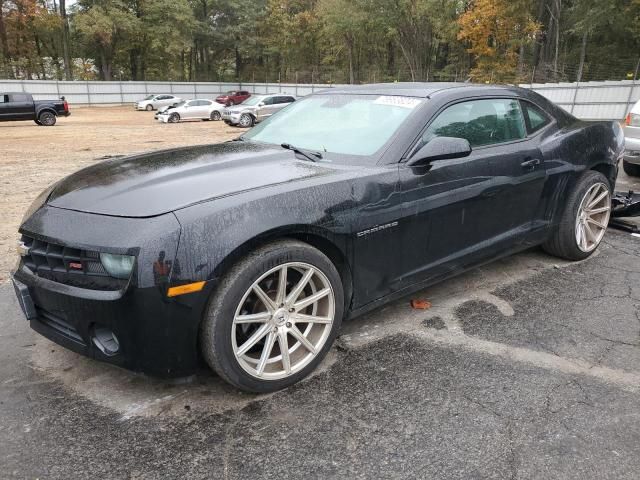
(155, 183)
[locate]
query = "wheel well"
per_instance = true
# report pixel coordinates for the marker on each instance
(608, 170)
(50, 110)
(315, 240)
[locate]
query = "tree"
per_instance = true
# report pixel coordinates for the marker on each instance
(496, 32)
(104, 26)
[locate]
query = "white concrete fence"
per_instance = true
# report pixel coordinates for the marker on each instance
(609, 100)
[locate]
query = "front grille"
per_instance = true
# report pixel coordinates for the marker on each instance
(71, 266)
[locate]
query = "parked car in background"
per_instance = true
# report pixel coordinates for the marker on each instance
(233, 97)
(256, 109)
(21, 106)
(248, 254)
(631, 161)
(154, 102)
(196, 109)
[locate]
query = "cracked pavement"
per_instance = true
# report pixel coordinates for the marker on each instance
(526, 368)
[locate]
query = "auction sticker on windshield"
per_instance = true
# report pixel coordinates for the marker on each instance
(394, 101)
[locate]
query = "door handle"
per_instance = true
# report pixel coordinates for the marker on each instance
(530, 164)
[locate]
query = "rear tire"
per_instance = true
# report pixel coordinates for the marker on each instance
(571, 240)
(216, 116)
(47, 119)
(223, 335)
(631, 169)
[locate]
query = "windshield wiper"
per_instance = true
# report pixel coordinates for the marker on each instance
(311, 156)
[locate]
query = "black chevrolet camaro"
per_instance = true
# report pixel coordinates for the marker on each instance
(249, 254)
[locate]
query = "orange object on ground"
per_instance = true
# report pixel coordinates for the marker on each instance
(420, 304)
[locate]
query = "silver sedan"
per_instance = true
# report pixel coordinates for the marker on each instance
(196, 109)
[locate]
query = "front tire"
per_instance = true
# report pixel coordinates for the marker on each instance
(47, 119)
(584, 220)
(174, 118)
(631, 169)
(149, 108)
(246, 120)
(274, 317)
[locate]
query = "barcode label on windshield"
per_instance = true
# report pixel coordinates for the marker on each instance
(405, 102)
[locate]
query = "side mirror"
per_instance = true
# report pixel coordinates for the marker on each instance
(261, 104)
(441, 148)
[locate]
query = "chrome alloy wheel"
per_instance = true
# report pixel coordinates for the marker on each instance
(593, 217)
(283, 321)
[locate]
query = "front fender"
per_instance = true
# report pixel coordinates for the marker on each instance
(217, 233)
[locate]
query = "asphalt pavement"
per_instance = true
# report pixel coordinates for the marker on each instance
(527, 368)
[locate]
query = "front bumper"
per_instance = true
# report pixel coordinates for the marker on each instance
(162, 118)
(632, 149)
(233, 118)
(157, 335)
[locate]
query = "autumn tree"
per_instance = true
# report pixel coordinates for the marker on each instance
(497, 32)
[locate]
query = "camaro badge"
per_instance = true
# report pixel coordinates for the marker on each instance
(377, 228)
(22, 249)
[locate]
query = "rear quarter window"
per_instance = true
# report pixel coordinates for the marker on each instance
(535, 117)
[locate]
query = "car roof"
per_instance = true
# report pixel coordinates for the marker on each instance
(408, 89)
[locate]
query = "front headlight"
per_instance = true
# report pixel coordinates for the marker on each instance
(38, 202)
(118, 266)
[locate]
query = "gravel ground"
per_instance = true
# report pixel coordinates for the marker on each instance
(34, 157)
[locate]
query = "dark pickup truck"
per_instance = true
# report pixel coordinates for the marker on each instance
(22, 106)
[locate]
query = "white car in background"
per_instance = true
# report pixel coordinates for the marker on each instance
(196, 109)
(631, 161)
(154, 102)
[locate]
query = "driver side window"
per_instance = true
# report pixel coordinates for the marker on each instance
(480, 122)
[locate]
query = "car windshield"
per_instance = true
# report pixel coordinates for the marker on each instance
(149, 97)
(342, 124)
(251, 101)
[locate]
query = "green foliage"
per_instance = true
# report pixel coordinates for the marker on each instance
(320, 41)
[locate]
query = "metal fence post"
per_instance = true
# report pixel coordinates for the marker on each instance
(88, 92)
(630, 97)
(121, 94)
(575, 95)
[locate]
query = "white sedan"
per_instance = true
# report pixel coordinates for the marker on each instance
(196, 109)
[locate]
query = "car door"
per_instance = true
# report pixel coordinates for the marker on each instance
(191, 109)
(461, 211)
(164, 100)
(202, 109)
(20, 106)
(282, 101)
(4, 106)
(267, 109)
